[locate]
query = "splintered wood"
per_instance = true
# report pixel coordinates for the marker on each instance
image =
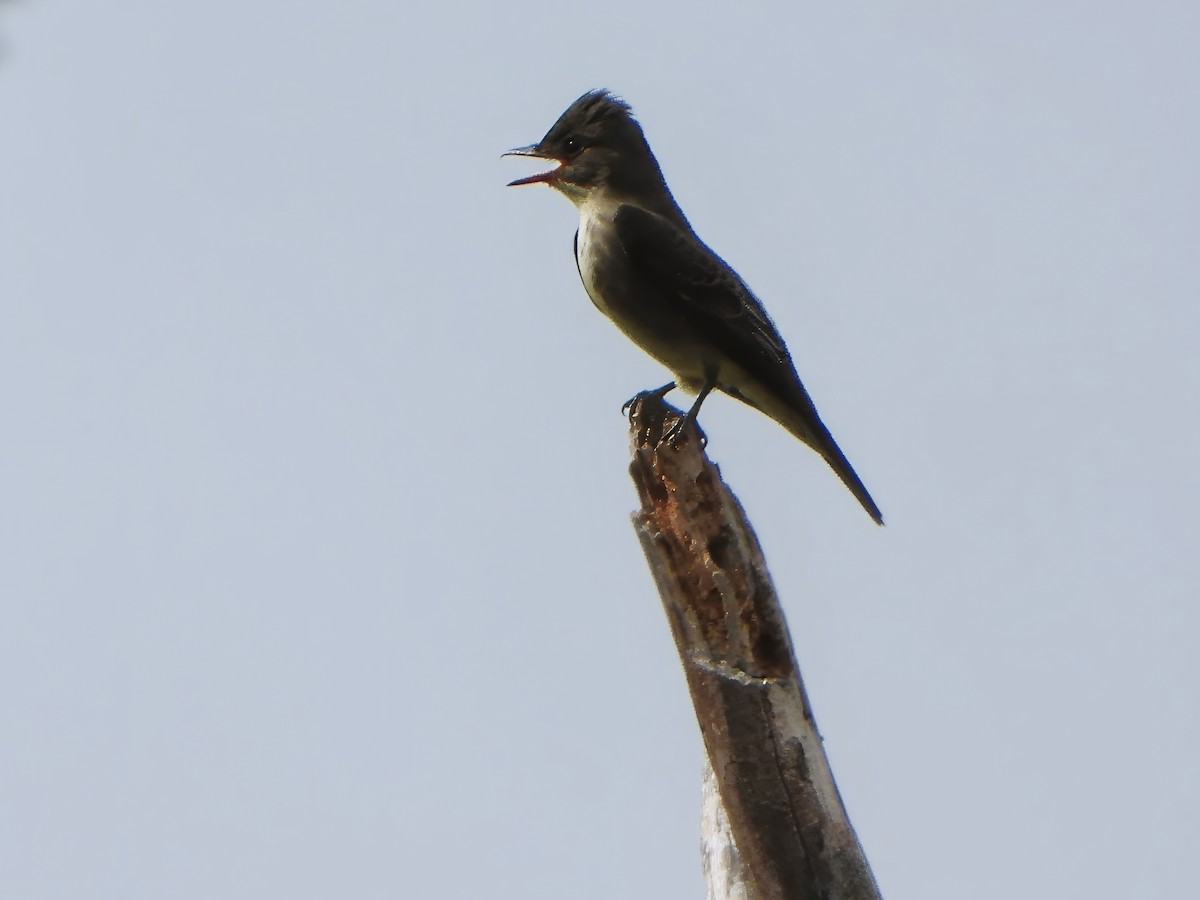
(788, 836)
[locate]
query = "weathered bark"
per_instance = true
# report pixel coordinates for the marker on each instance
(725, 876)
(791, 838)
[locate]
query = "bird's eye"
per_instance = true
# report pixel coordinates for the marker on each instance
(571, 145)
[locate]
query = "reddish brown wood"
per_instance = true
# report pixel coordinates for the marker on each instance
(792, 835)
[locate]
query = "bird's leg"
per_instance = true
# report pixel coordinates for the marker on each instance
(671, 435)
(658, 393)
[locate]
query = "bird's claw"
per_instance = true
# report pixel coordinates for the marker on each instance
(656, 393)
(672, 436)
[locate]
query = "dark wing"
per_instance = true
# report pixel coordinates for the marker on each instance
(722, 312)
(709, 295)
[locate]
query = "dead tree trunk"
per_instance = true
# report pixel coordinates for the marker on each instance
(774, 824)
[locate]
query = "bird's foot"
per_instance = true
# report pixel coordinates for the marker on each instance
(657, 393)
(673, 435)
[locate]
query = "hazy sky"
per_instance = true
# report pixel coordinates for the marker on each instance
(316, 571)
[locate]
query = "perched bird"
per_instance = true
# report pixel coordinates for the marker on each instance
(646, 269)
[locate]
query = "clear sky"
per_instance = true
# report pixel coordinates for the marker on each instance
(316, 571)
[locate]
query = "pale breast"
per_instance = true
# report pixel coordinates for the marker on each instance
(593, 249)
(614, 289)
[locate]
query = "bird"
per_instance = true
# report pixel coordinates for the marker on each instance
(644, 267)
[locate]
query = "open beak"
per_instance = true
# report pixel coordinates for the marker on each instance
(540, 178)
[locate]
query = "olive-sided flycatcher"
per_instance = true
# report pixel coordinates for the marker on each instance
(645, 269)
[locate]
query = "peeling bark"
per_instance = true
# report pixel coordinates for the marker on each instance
(787, 834)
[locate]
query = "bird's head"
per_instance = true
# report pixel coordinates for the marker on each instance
(598, 145)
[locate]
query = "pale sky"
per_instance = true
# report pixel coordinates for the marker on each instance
(317, 577)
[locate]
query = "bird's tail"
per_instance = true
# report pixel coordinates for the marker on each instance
(832, 453)
(795, 412)
(801, 419)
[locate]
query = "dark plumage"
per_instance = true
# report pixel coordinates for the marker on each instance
(644, 267)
